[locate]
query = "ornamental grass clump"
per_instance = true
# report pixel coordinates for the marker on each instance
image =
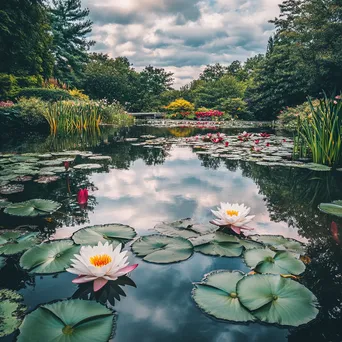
(321, 131)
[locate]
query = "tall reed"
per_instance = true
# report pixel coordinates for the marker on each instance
(321, 131)
(73, 116)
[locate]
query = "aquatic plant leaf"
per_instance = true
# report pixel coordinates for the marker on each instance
(218, 244)
(32, 208)
(217, 296)
(47, 179)
(50, 257)
(267, 261)
(250, 244)
(279, 242)
(274, 299)
(334, 208)
(181, 228)
(113, 233)
(11, 311)
(11, 189)
(4, 203)
(162, 249)
(72, 320)
(87, 166)
(46, 171)
(100, 158)
(14, 243)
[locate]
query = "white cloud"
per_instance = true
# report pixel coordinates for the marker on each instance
(182, 36)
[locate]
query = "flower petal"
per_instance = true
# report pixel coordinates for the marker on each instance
(99, 283)
(126, 270)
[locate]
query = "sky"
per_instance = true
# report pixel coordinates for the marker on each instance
(182, 36)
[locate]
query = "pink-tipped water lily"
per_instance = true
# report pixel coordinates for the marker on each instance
(100, 264)
(82, 196)
(233, 215)
(66, 165)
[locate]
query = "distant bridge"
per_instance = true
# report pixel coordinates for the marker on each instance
(153, 115)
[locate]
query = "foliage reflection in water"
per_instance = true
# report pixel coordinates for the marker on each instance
(141, 187)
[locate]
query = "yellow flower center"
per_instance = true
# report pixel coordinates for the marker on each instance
(100, 260)
(232, 212)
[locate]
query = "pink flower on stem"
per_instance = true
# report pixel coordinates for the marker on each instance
(82, 196)
(226, 144)
(66, 165)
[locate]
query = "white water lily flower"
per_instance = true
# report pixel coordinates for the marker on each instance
(100, 264)
(233, 215)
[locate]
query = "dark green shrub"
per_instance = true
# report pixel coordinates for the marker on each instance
(51, 95)
(8, 86)
(29, 81)
(10, 116)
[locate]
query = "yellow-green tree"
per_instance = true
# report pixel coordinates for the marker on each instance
(180, 105)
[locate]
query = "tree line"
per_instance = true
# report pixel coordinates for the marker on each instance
(303, 57)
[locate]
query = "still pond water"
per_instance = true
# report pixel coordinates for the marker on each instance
(142, 187)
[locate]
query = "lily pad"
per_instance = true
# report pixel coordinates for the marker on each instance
(334, 208)
(11, 189)
(13, 243)
(11, 311)
(218, 244)
(180, 228)
(267, 261)
(23, 179)
(47, 179)
(114, 233)
(100, 158)
(52, 169)
(217, 296)
(161, 249)
(32, 208)
(49, 257)
(280, 243)
(73, 320)
(274, 299)
(4, 203)
(88, 167)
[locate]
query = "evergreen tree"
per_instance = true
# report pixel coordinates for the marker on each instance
(25, 40)
(70, 27)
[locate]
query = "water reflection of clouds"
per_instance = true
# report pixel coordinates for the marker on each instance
(181, 187)
(161, 308)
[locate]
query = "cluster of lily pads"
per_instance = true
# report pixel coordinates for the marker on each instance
(16, 169)
(263, 149)
(269, 294)
(78, 318)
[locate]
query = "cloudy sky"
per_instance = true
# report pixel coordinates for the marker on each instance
(182, 35)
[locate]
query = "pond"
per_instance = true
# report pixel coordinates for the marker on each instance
(143, 186)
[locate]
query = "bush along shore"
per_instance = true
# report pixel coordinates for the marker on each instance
(58, 109)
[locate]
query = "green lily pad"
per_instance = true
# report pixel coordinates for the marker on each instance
(250, 244)
(114, 233)
(88, 167)
(100, 158)
(47, 179)
(180, 228)
(267, 261)
(162, 249)
(46, 171)
(13, 243)
(68, 321)
(274, 299)
(217, 296)
(32, 208)
(4, 203)
(334, 208)
(11, 189)
(218, 244)
(11, 311)
(49, 257)
(317, 167)
(280, 243)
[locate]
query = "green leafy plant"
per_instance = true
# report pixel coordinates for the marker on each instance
(32, 111)
(51, 95)
(321, 131)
